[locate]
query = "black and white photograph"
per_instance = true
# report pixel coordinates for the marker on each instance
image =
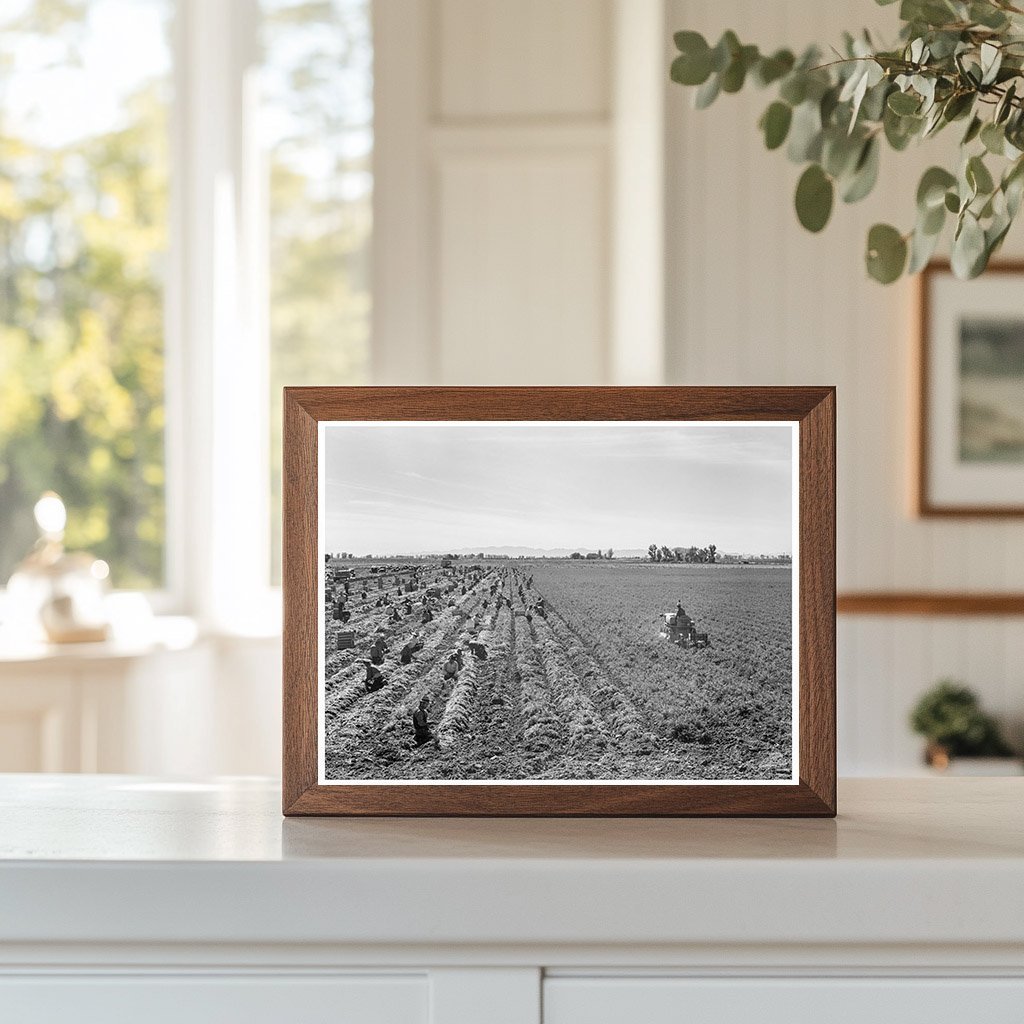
(544, 602)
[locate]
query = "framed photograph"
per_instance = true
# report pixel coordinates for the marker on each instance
(970, 450)
(559, 601)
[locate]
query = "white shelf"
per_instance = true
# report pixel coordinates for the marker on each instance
(123, 860)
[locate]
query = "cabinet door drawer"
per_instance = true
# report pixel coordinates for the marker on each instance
(627, 1000)
(202, 999)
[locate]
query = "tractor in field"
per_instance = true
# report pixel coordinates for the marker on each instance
(678, 628)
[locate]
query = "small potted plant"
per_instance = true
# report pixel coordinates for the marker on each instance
(950, 718)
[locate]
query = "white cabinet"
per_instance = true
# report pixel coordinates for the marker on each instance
(133, 899)
(203, 999)
(651, 1000)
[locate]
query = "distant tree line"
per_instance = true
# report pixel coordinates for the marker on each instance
(591, 555)
(663, 553)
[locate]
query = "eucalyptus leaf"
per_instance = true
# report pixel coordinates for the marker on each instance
(865, 173)
(794, 88)
(814, 195)
(725, 49)
(775, 124)
(993, 138)
(922, 248)
(987, 15)
(904, 103)
(991, 60)
(886, 253)
(805, 133)
(707, 93)
(735, 74)
(931, 190)
(691, 70)
(973, 130)
(968, 248)
(771, 69)
(978, 176)
(840, 152)
(932, 221)
(957, 106)
(1005, 105)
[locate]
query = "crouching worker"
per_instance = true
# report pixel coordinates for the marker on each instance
(374, 677)
(377, 651)
(409, 650)
(452, 665)
(422, 733)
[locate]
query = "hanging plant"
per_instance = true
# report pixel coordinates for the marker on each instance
(958, 61)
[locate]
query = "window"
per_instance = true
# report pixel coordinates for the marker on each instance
(317, 88)
(83, 235)
(144, 182)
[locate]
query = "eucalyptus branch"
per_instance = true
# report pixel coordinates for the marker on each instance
(955, 59)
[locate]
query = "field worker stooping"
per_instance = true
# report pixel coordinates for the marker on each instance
(421, 723)
(374, 677)
(452, 665)
(409, 650)
(377, 649)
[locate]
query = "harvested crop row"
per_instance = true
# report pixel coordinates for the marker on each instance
(454, 626)
(360, 726)
(347, 687)
(586, 731)
(625, 721)
(543, 730)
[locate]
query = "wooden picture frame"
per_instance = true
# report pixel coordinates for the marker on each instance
(934, 475)
(811, 410)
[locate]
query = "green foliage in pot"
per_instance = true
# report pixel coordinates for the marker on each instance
(949, 716)
(958, 62)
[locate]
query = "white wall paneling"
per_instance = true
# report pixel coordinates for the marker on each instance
(751, 298)
(510, 166)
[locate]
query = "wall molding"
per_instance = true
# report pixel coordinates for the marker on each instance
(928, 603)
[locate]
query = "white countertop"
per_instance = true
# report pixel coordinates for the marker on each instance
(120, 859)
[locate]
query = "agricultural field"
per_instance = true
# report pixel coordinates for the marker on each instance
(563, 674)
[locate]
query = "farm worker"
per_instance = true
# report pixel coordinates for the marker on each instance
(451, 666)
(394, 616)
(377, 651)
(408, 606)
(428, 615)
(374, 677)
(421, 723)
(478, 650)
(409, 650)
(339, 609)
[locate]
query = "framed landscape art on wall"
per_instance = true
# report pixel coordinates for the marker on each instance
(970, 451)
(559, 601)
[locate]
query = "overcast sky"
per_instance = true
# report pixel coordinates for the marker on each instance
(394, 488)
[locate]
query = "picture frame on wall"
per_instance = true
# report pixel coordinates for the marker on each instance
(559, 601)
(970, 385)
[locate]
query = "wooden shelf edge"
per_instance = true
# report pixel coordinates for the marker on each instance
(928, 603)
